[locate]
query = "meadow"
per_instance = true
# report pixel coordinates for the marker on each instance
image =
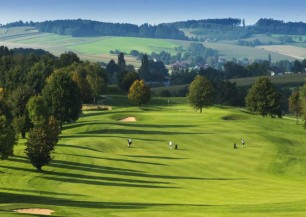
(93, 173)
(297, 52)
(90, 48)
(294, 80)
(98, 48)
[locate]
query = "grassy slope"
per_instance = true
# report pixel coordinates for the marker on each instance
(289, 50)
(94, 174)
(288, 80)
(91, 48)
(126, 44)
(97, 48)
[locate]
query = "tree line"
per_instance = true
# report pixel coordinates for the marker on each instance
(83, 28)
(216, 29)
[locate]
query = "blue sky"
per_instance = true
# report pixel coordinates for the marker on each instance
(151, 11)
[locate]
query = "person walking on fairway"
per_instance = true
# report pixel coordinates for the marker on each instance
(129, 142)
(242, 143)
(170, 145)
(235, 145)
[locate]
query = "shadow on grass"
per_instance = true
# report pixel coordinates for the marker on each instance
(95, 180)
(39, 192)
(156, 157)
(124, 138)
(141, 132)
(13, 198)
(119, 160)
(77, 146)
(132, 124)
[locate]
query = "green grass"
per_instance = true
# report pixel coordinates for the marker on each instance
(93, 173)
(126, 44)
(295, 38)
(264, 39)
(97, 48)
(284, 80)
(231, 51)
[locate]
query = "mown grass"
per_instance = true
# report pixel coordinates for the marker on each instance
(93, 173)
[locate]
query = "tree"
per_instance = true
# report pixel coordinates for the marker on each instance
(128, 80)
(68, 58)
(263, 98)
(303, 101)
(63, 97)
(139, 92)
(38, 110)
(269, 58)
(41, 142)
(201, 93)
(82, 82)
(295, 105)
(112, 71)
(144, 70)
(121, 63)
(304, 65)
(17, 101)
(297, 66)
(96, 84)
(8, 136)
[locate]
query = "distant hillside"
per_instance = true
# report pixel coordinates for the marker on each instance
(85, 28)
(218, 29)
(235, 28)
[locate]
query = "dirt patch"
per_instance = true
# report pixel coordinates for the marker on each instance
(128, 119)
(91, 107)
(35, 211)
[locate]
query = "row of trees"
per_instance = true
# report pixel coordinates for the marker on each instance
(82, 28)
(227, 28)
(262, 97)
(38, 94)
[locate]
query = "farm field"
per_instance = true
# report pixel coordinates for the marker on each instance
(126, 44)
(289, 50)
(292, 79)
(91, 48)
(97, 48)
(93, 173)
(231, 51)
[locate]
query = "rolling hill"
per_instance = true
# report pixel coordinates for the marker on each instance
(98, 48)
(93, 173)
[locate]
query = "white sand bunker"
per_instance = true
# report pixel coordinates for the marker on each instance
(35, 211)
(128, 119)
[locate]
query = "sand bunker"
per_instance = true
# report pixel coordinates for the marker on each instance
(35, 211)
(128, 119)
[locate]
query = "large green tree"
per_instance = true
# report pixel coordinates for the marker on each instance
(68, 58)
(7, 132)
(17, 100)
(38, 110)
(63, 97)
(201, 93)
(41, 143)
(128, 80)
(295, 105)
(139, 92)
(263, 98)
(144, 70)
(96, 84)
